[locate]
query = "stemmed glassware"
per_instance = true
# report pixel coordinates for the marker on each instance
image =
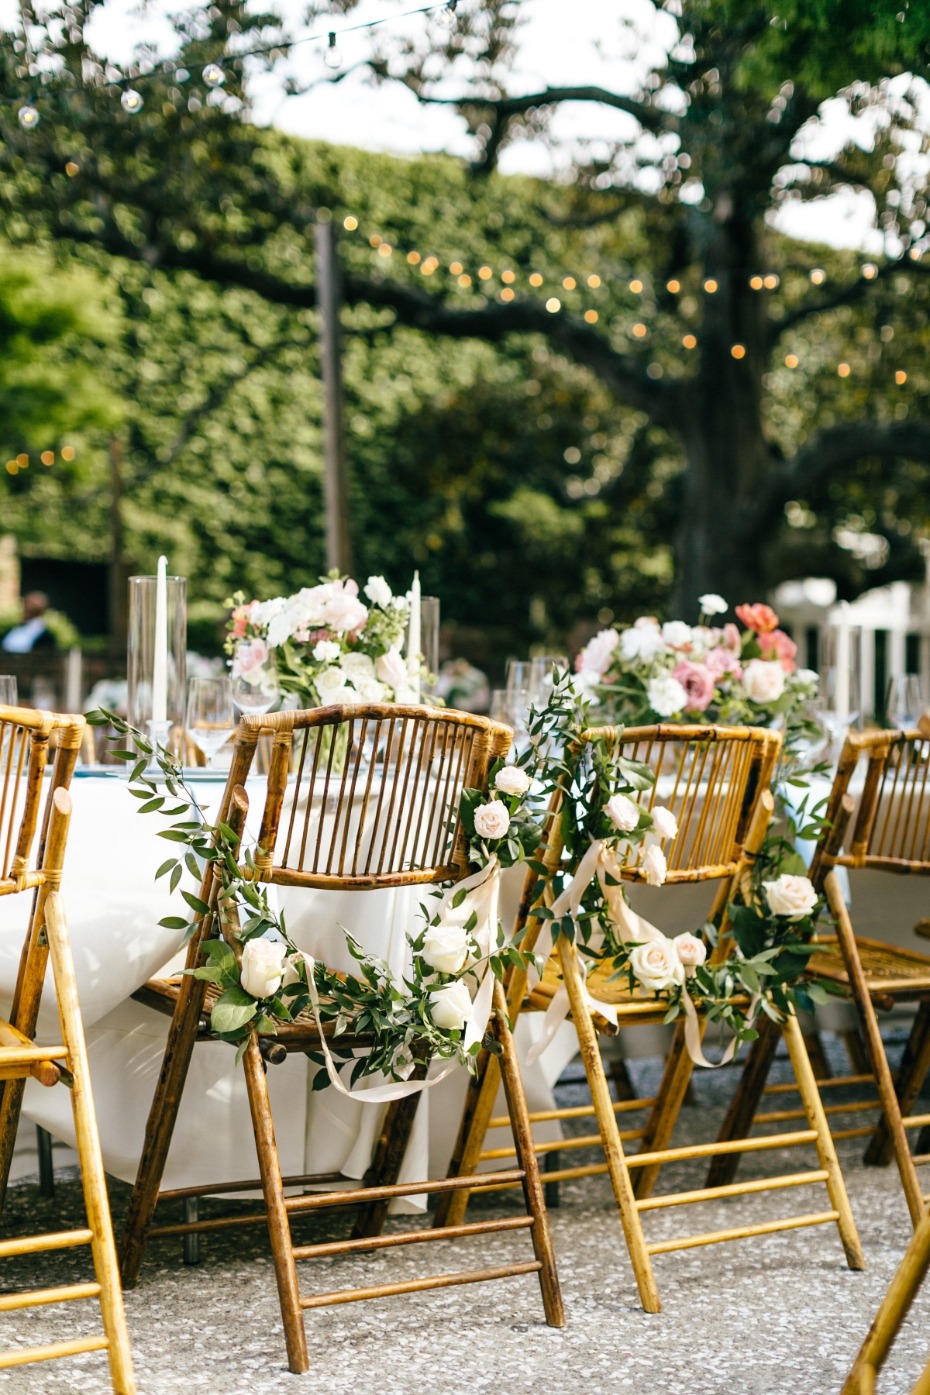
(904, 701)
(255, 685)
(542, 671)
(8, 691)
(211, 719)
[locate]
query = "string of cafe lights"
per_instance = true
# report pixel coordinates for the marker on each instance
(213, 73)
(466, 278)
(46, 457)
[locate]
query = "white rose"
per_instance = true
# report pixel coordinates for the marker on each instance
(763, 680)
(790, 896)
(642, 641)
(378, 591)
(331, 680)
(343, 611)
(263, 612)
(262, 969)
(450, 1006)
(676, 634)
(712, 604)
(665, 695)
(690, 950)
(358, 666)
(391, 670)
(656, 965)
(655, 865)
(492, 820)
(445, 948)
(597, 654)
(369, 689)
(510, 779)
(623, 812)
(325, 650)
(664, 822)
(808, 676)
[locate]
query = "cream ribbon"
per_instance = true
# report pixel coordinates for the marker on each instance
(482, 891)
(601, 861)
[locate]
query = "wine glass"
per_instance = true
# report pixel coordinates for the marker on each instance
(210, 717)
(8, 691)
(542, 672)
(255, 685)
(904, 701)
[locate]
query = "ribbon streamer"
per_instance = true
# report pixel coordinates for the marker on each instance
(482, 890)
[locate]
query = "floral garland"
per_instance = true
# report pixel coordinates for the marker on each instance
(329, 646)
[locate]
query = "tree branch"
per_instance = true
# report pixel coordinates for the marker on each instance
(649, 117)
(850, 294)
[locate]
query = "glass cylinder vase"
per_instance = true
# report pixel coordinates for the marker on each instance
(141, 659)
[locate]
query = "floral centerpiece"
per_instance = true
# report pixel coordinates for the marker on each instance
(648, 672)
(331, 645)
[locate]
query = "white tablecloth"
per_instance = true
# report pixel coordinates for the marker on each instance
(113, 906)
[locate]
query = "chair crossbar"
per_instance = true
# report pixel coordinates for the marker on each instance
(411, 1237)
(864, 1132)
(465, 1276)
(915, 1121)
(34, 1298)
(776, 1116)
(746, 1232)
(580, 1111)
(759, 1184)
(77, 1347)
(30, 1055)
(249, 1185)
(791, 1088)
(559, 1145)
(733, 1145)
(33, 1244)
(441, 1184)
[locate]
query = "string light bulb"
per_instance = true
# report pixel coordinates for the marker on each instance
(447, 16)
(131, 101)
(28, 116)
(213, 75)
(332, 57)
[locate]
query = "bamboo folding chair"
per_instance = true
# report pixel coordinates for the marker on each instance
(715, 781)
(891, 833)
(25, 741)
(389, 818)
(903, 1289)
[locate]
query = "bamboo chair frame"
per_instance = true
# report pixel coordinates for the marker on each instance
(903, 1289)
(719, 837)
(34, 866)
(890, 833)
(406, 843)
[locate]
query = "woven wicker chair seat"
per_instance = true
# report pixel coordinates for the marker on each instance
(887, 968)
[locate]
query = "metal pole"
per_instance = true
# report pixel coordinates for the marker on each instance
(335, 472)
(119, 623)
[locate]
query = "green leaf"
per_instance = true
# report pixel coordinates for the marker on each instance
(174, 922)
(195, 903)
(233, 1010)
(165, 867)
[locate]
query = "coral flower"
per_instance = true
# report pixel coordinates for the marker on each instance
(759, 617)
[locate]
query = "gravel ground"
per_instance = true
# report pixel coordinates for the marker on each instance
(781, 1315)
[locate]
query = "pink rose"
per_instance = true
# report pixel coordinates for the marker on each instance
(249, 657)
(722, 662)
(343, 611)
(698, 683)
(759, 617)
(732, 638)
(777, 645)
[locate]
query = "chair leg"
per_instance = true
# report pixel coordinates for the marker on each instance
(610, 1137)
(88, 1143)
(664, 1113)
(279, 1228)
(46, 1164)
(826, 1151)
(528, 1161)
(159, 1127)
(479, 1109)
(23, 1016)
(910, 1077)
(901, 1293)
(745, 1102)
(884, 1081)
(386, 1161)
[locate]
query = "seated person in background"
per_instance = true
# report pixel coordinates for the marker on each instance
(32, 633)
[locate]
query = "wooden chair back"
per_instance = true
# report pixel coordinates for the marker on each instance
(709, 777)
(891, 825)
(366, 796)
(28, 741)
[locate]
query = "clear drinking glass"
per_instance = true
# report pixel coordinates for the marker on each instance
(518, 675)
(542, 670)
(8, 691)
(254, 677)
(904, 701)
(211, 720)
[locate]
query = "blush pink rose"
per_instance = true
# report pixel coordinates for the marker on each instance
(777, 645)
(758, 617)
(698, 683)
(732, 638)
(722, 662)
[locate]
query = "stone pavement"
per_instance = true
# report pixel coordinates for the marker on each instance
(780, 1315)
